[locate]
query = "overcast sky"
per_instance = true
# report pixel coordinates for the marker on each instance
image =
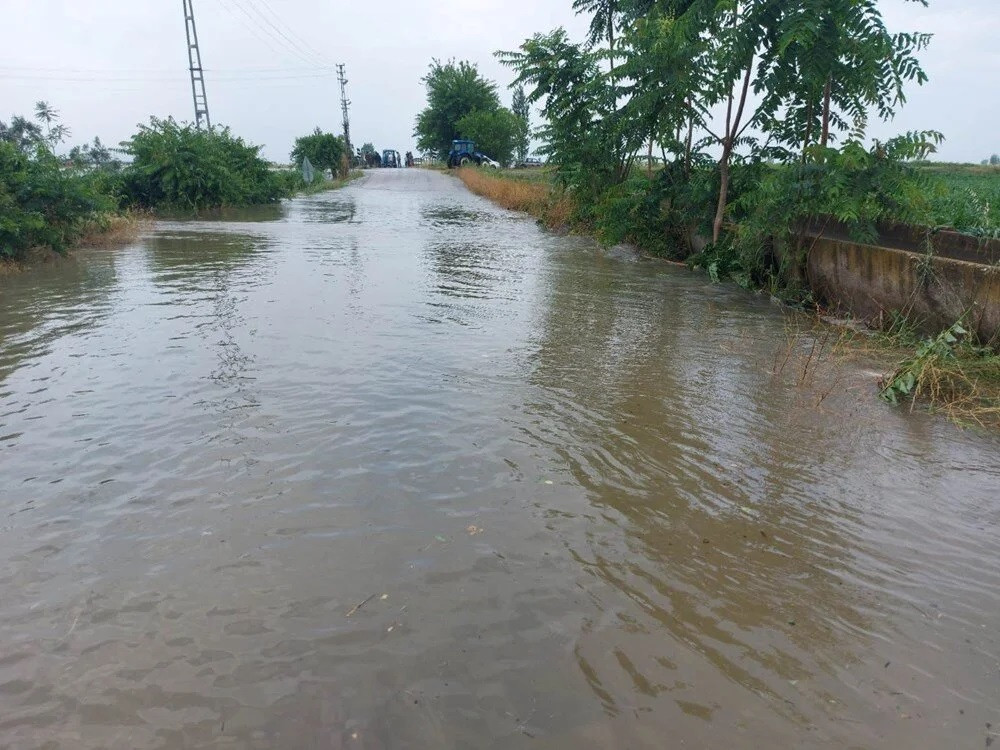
(109, 64)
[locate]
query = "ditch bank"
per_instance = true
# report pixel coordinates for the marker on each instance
(933, 279)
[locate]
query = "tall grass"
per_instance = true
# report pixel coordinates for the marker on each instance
(536, 197)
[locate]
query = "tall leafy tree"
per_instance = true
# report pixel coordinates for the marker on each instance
(324, 150)
(832, 64)
(603, 22)
(661, 51)
(585, 134)
(454, 90)
(55, 131)
(22, 132)
(496, 133)
(522, 110)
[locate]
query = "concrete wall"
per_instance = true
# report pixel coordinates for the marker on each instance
(872, 281)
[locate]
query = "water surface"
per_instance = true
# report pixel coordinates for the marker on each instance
(393, 468)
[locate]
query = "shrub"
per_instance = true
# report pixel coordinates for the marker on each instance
(42, 204)
(179, 166)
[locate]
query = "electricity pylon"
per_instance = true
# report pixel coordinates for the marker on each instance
(197, 74)
(344, 104)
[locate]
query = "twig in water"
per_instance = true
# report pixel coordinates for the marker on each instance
(359, 606)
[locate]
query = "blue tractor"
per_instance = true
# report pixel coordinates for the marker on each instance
(463, 154)
(390, 158)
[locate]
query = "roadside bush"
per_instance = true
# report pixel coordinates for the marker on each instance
(42, 204)
(774, 203)
(179, 166)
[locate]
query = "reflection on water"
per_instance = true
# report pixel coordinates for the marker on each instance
(332, 208)
(231, 214)
(394, 468)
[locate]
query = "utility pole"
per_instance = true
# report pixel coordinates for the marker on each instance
(344, 104)
(194, 65)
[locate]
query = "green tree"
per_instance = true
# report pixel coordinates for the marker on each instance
(55, 131)
(454, 90)
(22, 133)
(324, 150)
(585, 133)
(834, 62)
(496, 133)
(92, 155)
(522, 110)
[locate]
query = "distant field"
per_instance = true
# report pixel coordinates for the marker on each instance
(530, 174)
(965, 196)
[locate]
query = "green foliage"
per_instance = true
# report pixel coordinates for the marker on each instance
(93, 156)
(776, 203)
(496, 132)
(964, 198)
(522, 109)
(658, 215)
(454, 90)
(906, 381)
(42, 204)
(586, 136)
(324, 151)
(759, 83)
(179, 166)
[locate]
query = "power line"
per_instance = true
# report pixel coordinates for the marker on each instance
(261, 37)
(165, 71)
(166, 77)
(308, 47)
(292, 46)
(269, 38)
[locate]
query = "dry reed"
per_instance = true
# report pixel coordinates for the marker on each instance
(536, 198)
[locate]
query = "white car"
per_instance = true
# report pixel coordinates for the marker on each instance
(488, 162)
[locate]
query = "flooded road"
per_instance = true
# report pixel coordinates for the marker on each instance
(390, 467)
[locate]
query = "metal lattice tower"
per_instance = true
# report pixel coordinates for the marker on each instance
(197, 74)
(344, 105)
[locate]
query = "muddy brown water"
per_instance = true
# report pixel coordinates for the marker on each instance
(393, 468)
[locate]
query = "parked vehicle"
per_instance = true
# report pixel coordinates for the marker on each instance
(463, 154)
(390, 158)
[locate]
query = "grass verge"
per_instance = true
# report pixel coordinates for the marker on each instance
(536, 197)
(323, 186)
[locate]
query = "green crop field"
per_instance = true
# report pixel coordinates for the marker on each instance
(964, 196)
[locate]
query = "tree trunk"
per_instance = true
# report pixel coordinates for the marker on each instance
(809, 127)
(649, 159)
(720, 210)
(690, 140)
(728, 144)
(827, 92)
